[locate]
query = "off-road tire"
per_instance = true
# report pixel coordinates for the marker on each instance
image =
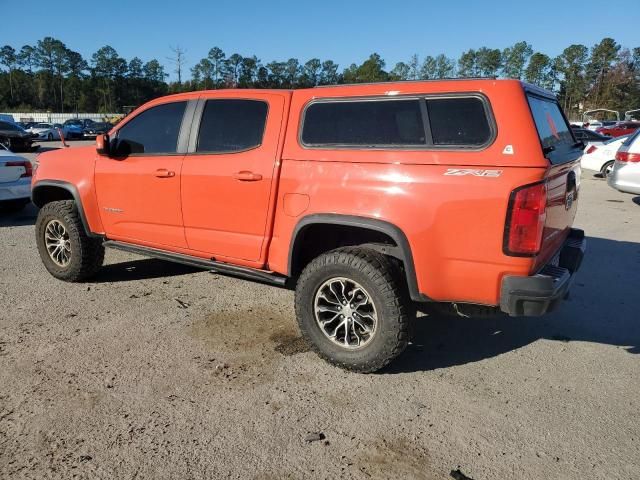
(87, 253)
(377, 274)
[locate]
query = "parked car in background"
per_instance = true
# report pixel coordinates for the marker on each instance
(95, 129)
(619, 129)
(625, 175)
(14, 137)
(601, 157)
(6, 118)
(588, 137)
(73, 128)
(45, 131)
(15, 180)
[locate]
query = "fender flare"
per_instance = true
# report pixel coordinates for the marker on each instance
(402, 252)
(69, 187)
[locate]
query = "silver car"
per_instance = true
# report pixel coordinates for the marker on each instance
(15, 180)
(625, 175)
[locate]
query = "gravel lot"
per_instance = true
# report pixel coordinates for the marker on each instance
(157, 370)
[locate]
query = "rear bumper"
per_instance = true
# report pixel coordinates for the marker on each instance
(625, 177)
(541, 293)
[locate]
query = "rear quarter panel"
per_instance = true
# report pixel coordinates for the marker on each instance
(454, 224)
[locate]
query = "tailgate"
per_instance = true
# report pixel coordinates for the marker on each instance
(10, 173)
(563, 152)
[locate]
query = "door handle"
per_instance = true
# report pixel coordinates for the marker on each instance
(164, 173)
(247, 176)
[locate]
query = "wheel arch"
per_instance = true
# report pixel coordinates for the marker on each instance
(400, 249)
(46, 191)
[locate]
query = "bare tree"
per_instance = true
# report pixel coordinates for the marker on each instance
(179, 60)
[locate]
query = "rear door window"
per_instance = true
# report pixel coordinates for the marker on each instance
(553, 129)
(232, 125)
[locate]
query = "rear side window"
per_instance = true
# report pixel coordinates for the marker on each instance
(364, 123)
(553, 130)
(229, 126)
(458, 121)
(154, 131)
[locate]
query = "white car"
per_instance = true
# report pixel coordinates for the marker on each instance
(625, 175)
(601, 157)
(45, 131)
(15, 180)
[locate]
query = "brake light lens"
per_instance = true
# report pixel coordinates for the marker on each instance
(628, 157)
(28, 169)
(591, 149)
(525, 220)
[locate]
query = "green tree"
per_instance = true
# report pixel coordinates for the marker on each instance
(468, 64)
(515, 60)
(429, 69)
(603, 55)
(571, 65)
(400, 71)
(538, 71)
(9, 59)
(329, 73)
(311, 72)
(488, 61)
(218, 61)
(371, 70)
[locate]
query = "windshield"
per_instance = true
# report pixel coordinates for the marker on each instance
(42, 125)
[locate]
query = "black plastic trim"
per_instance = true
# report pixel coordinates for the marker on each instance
(541, 293)
(74, 193)
(396, 234)
(197, 262)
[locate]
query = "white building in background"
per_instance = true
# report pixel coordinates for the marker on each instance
(50, 117)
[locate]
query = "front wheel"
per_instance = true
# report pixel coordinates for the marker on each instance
(50, 137)
(353, 309)
(65, 249)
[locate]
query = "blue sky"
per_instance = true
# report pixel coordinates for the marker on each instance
(344, 31)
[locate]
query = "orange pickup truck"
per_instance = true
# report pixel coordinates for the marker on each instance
(367, 199)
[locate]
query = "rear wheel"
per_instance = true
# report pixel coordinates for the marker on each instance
(50, 137)
(607, 168)
(353, 309)
(65, 249)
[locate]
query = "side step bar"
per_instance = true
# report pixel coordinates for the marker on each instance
(212, 265)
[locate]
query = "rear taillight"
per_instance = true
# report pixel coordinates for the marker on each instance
(28, 170)
(525, 220)
(628, 157)
(591, 149)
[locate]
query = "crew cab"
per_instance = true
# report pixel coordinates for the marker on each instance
(366, 199)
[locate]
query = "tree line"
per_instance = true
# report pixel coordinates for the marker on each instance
(51, 76)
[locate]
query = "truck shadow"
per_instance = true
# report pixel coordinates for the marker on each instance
(26, 216)
(603, 308)
(142, 269)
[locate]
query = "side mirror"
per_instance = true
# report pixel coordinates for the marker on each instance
(102, 145)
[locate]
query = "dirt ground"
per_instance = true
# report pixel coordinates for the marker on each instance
(157, 371)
